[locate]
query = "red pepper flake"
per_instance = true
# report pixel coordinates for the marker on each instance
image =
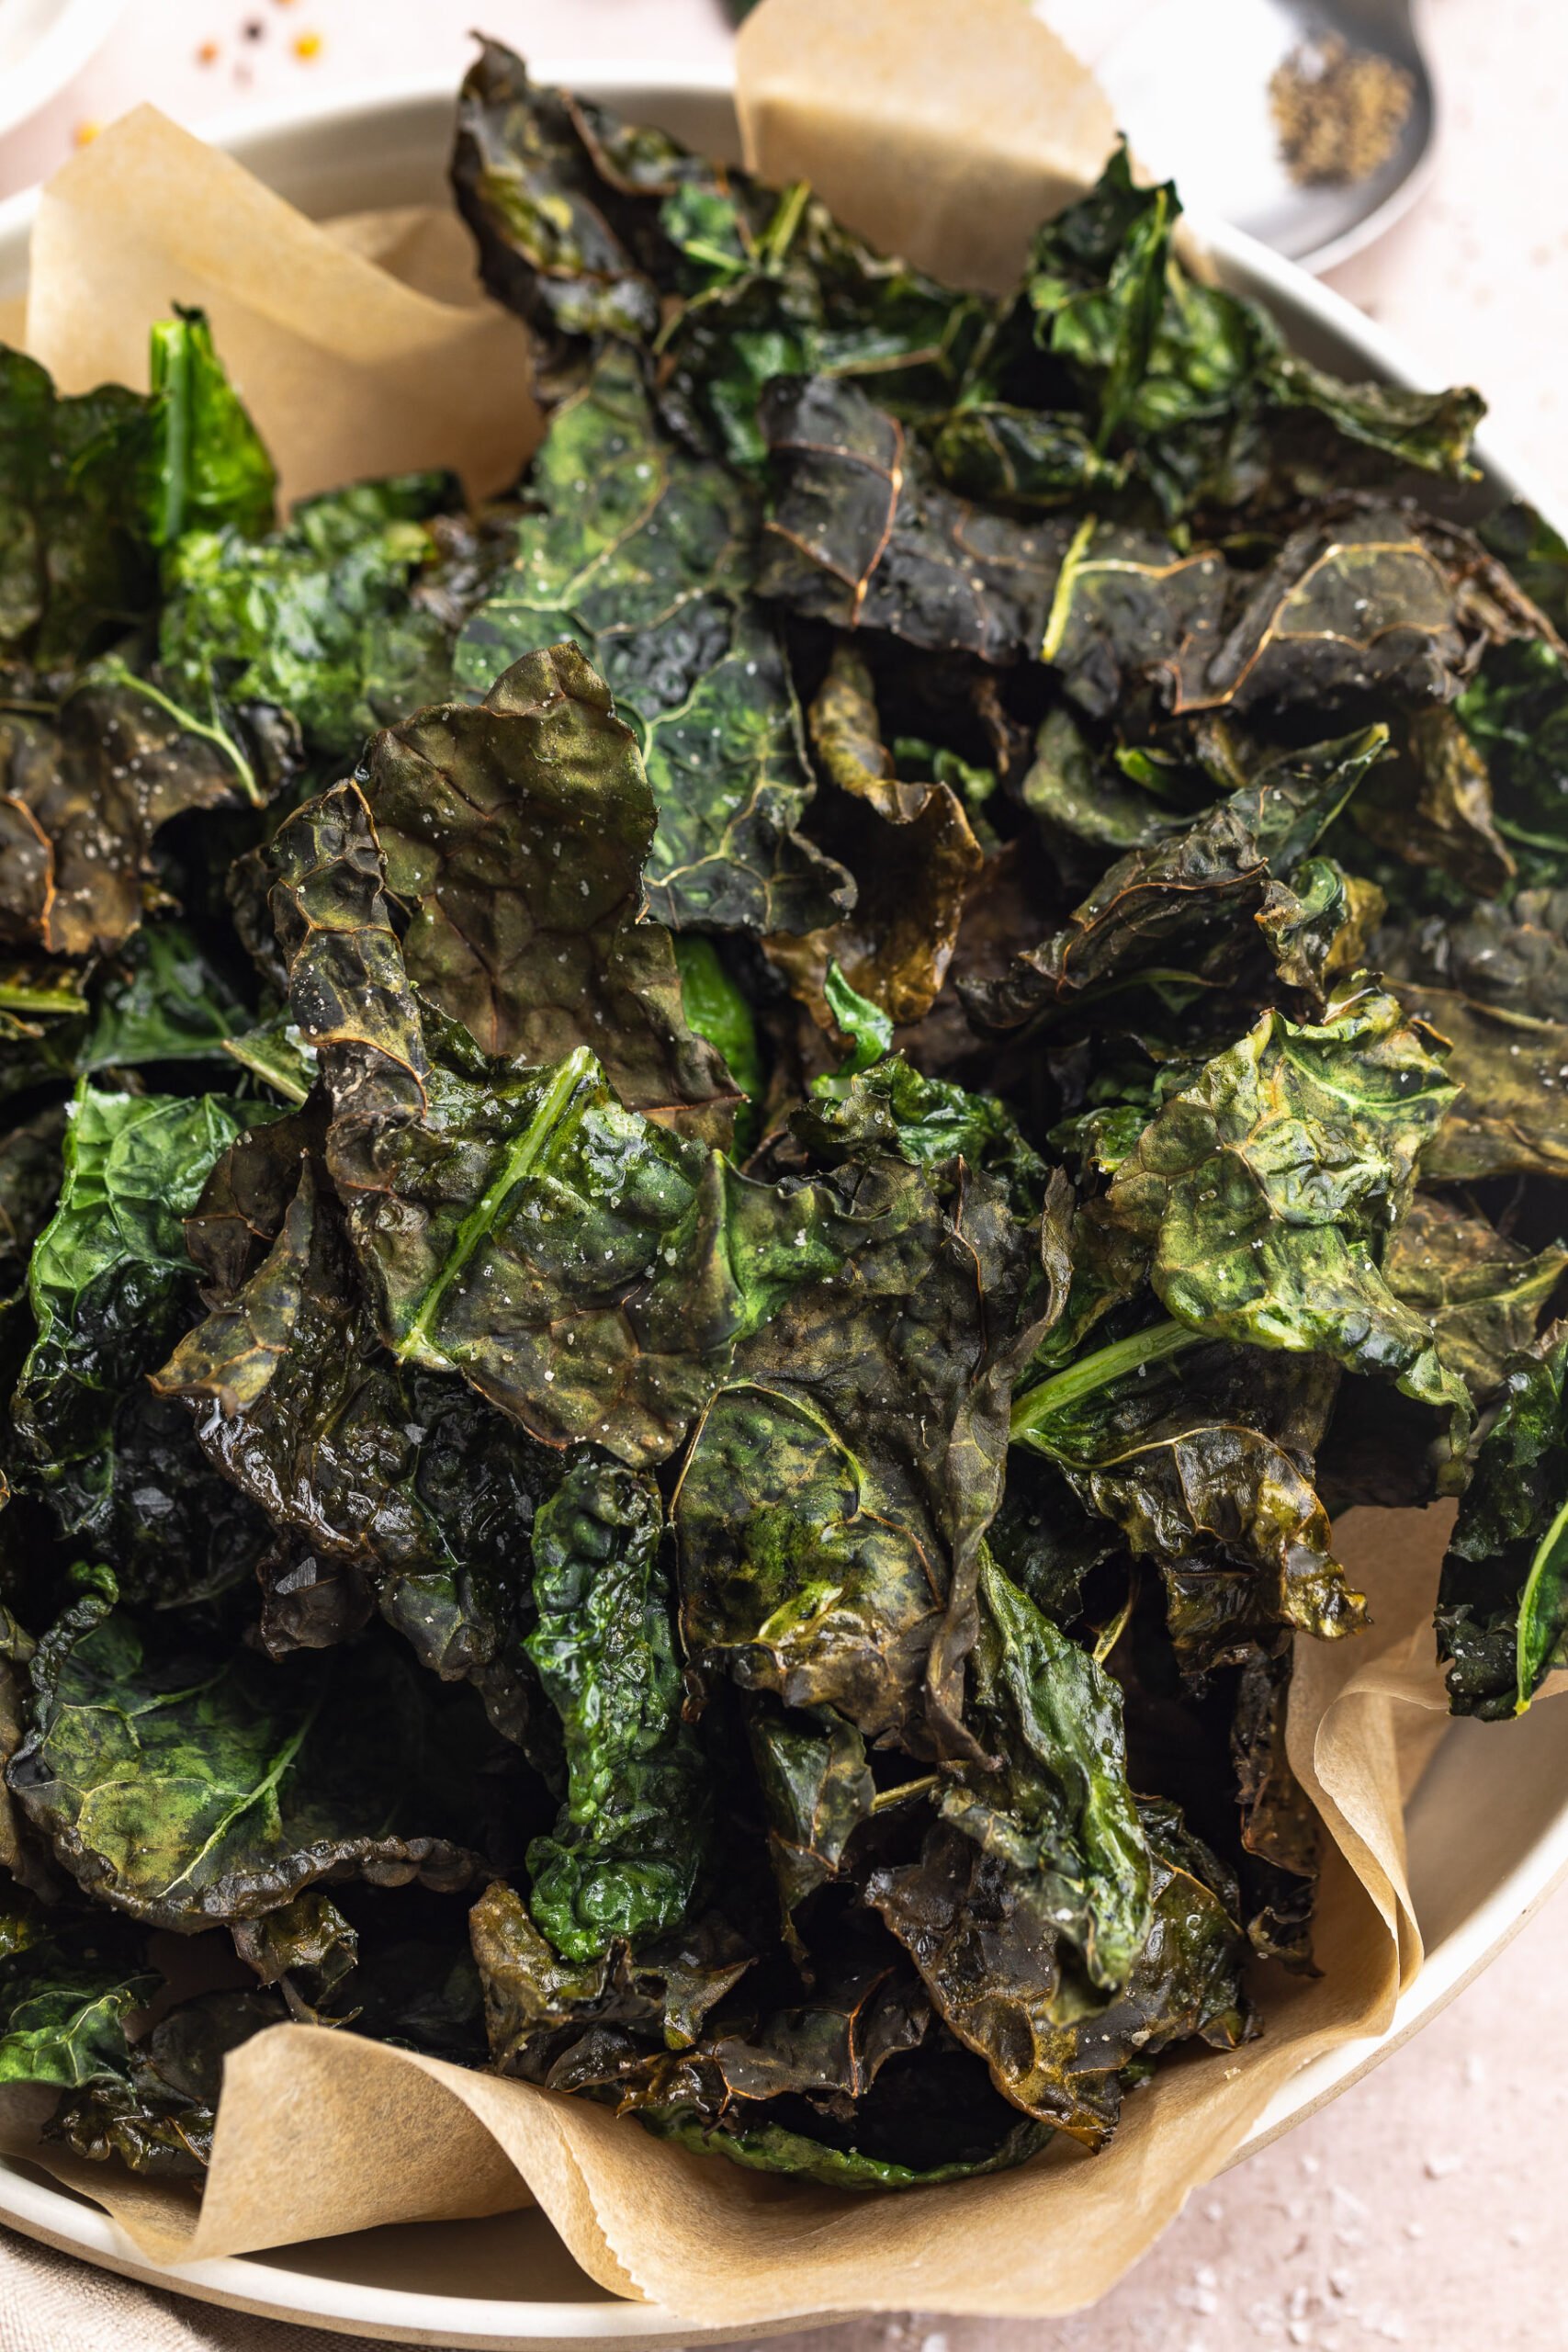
(208, 53)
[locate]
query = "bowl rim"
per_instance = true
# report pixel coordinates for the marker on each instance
(268, 2287)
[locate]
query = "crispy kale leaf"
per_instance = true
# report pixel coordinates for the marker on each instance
(1503, 1603)
(1203, 1460)
(83, 790)
(184, 1780)
(516, 833)
(346, 617)
(157, 2114)
(405, 1477)
(587, 1269)
(597, 230)
(830, 1508)
(860, 535)
(110, 1288)
(982, 1935)
(1194, 383)
(1259, 1198)
(77, 564)
(913, 852)
(64, 2010)
(625, 1857)
(210, 472)
(643, 553)
(1183, 899)
(1483, 1294)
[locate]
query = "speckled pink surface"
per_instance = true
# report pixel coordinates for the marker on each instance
(1424, 2207)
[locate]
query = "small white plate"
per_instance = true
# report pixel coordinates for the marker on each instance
(44, 44)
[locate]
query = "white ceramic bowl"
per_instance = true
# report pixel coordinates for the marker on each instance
(1488, 1830)
(44, 44)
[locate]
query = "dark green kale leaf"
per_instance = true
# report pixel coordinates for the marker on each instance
(930, 1122)
(1280, 1833)
(346, 617)
(625, 1856)
(404, 1476)
(31, 1170)
(185, 1780)
(1261, 1196)
(1515, 711)
(1074, 793)
(1502, 1600)
(1362, 599)
(587, 1269)
(159, 998)
(1203, 1460)
(1187, 899)
(1058, 1812)
(92, 487)
(816, 1790)
(774, 2147)
(83, 792)
(275, 1053)
(539, 2005)
(850, 2086)
(158, 2113)
(209, 471)
(860, 536)
(643, 554)
(984, 1939)
(1020, 457)
(526, 183)
(308, 1949)
(1494, 981)
(1129, 610)
(1195, 382)
(1483, 1294)
(515, 833)
(911, 848)
(77, 563)
(595, 230)
(1433, 805)
(111, 1287)
(1319, 927)
(63, 2008)
(831, 1505)
(717, 1008)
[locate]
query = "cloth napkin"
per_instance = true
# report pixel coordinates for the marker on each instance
(51, 2302)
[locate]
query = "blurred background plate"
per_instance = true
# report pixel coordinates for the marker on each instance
(44, 44)
(1189, 82)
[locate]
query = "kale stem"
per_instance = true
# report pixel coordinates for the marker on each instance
(1061, 602)
(517, 1164)
(779, 234)
(1111, 1634)
(21, 996)
(884, 1797)
(191, 725)
(1097, 1370)
(1523, 1672)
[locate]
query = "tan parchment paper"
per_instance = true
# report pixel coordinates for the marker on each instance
(356, 354)
(945, 131)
